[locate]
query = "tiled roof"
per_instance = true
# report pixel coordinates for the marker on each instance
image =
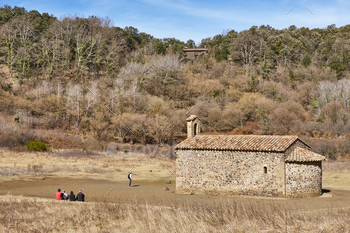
(194, 49)
(238, 142)
(191, 118)
(302, 155)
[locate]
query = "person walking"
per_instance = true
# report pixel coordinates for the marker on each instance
(130, 178)
(80, 196)
(71, 196)
(59, 195)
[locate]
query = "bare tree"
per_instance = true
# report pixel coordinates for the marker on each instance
(248, 52)
(116, 91)
(91, 97)
(9, 33)
(43, 89)
(88, 42)
(325, 92)
(163, 72)
(345, 94)
(25, 35)
(161, 128)
(134, 90)
(142, 126)
(74, 96)
(54, 53)
(246, 47)
(283, 120)
(122, 124)
(59, 90)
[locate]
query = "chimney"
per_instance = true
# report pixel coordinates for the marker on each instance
(193, 126)
(205, 46)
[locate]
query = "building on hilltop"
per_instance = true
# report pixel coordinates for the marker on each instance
(194, 53)
(259, 165)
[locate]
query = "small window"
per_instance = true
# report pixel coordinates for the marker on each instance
(265, 170)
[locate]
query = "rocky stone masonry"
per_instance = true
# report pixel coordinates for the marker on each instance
(303, 179)
(256, 165)
(230, 172)
(243, 173)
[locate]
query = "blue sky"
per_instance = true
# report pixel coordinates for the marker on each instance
(194, 19)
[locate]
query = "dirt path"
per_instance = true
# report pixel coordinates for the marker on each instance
(95, 190)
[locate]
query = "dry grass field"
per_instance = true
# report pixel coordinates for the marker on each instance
(44, 215)
(82, 165)
(28, 182)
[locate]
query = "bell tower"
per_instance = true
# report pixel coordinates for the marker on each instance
(193, 126)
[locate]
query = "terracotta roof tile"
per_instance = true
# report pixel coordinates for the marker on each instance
(238, 142)
(302, 155)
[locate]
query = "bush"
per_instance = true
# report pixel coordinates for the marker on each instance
(36, 146)
(15, 134)
(331, 149)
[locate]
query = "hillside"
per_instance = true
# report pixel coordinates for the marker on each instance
(89, 78)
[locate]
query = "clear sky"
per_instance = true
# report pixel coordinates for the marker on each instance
(194, 19)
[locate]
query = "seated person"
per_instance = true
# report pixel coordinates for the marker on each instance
(80, 196)
(59, 195)
(71, 196)
(64, 195)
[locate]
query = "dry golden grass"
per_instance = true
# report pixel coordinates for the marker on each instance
(95, 165)
(336, 166)
(336, 180)
(34, 215)
(24, 166)
(336, 175)
(27, 214)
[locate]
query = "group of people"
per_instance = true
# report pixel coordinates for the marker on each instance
(80, 196)
(71, 197)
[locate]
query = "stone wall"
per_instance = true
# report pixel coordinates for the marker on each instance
(229, 172)
(303, 179)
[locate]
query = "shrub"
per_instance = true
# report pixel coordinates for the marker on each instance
(36, 146)
(13, 135)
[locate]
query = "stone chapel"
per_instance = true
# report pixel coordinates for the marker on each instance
(259, 165)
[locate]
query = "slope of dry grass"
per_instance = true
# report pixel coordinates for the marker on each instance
(29, 214)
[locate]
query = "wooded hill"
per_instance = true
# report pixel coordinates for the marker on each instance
(87, 75)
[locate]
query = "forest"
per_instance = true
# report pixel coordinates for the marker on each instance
(86, 76)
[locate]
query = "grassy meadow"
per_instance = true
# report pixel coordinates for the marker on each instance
(33, 214)
(18, 214)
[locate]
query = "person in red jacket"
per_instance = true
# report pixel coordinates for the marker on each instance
(59, 195)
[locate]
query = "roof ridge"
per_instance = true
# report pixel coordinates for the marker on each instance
(275, 143)
(245, 135)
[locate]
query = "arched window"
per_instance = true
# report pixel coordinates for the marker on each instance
(195, 129)
(265, 170)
